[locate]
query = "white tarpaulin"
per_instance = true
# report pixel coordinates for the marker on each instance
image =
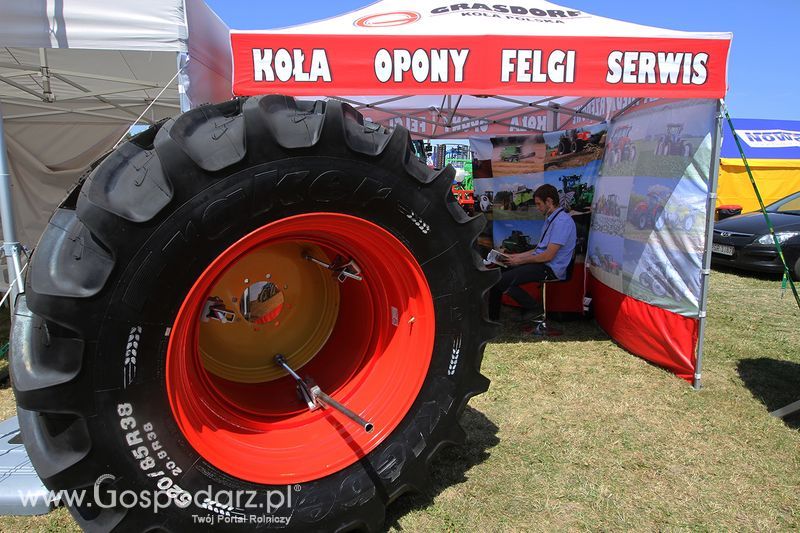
(76, 74)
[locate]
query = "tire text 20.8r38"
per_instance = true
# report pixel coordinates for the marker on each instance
(144, 352)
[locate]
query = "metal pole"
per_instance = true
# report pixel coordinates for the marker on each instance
(11, 246)
(711, 205)
(183, 81)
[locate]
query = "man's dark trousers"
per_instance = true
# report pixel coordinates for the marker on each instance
(510, 283)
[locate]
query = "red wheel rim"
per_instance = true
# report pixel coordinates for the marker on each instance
(374, 361)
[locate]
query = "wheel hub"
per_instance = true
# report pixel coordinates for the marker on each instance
(283, 304)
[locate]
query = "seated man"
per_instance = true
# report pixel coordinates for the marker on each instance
(549, 260)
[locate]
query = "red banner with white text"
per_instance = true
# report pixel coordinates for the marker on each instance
(314, 65)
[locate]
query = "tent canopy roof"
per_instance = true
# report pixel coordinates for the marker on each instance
(439, 17)
(152, 25)
(88, 58)
(430, 47)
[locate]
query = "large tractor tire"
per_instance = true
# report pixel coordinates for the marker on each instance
(144, 350)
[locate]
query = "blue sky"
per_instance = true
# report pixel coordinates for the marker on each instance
(764, 71)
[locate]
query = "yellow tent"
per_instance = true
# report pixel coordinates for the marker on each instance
(772, 148)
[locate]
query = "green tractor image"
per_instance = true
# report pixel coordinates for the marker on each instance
(513, 154)
(523, 197)
(575, 195)
(672, 143)
(676, 216)
(505, 201)
(608, 206)
(517, 242)
(510, 154)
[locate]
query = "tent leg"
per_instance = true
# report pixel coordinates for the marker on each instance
(183, 81)
(716, 143)
(11, 247)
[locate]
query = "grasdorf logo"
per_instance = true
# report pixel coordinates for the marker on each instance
(383, 20)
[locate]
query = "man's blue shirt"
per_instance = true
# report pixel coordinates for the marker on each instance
(559, 228)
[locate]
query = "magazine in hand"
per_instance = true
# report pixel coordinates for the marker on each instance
(495, 257)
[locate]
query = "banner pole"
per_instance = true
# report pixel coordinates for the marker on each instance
(711, 205)
(11, 247)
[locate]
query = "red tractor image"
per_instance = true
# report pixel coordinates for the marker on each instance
(573, 141)
(605, 262)
(671, 143)
(620, 147)
(648, 212)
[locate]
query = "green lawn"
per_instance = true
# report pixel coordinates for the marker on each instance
(576, 434)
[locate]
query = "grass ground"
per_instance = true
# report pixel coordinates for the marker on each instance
(576, 434)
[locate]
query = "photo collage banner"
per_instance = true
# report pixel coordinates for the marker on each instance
(507, 171)
(649, 210)
(637, 191)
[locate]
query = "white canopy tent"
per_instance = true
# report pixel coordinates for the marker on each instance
(475, 69)
(76, 74)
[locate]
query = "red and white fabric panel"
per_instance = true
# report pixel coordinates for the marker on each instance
(312, 65)
(660, 336)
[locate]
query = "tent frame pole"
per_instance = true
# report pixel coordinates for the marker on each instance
(183, 59)
(447, 111)
(713, 176)
(11, 247)
(36, 69)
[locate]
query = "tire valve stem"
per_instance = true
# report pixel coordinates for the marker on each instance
(315, 398)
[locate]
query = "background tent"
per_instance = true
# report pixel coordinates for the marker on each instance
(474, 68)
(75, 74)
(772, 148)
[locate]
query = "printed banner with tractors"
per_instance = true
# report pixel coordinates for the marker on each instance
(649, 214)
(649, 209)
(638, 194)
(508, 170)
